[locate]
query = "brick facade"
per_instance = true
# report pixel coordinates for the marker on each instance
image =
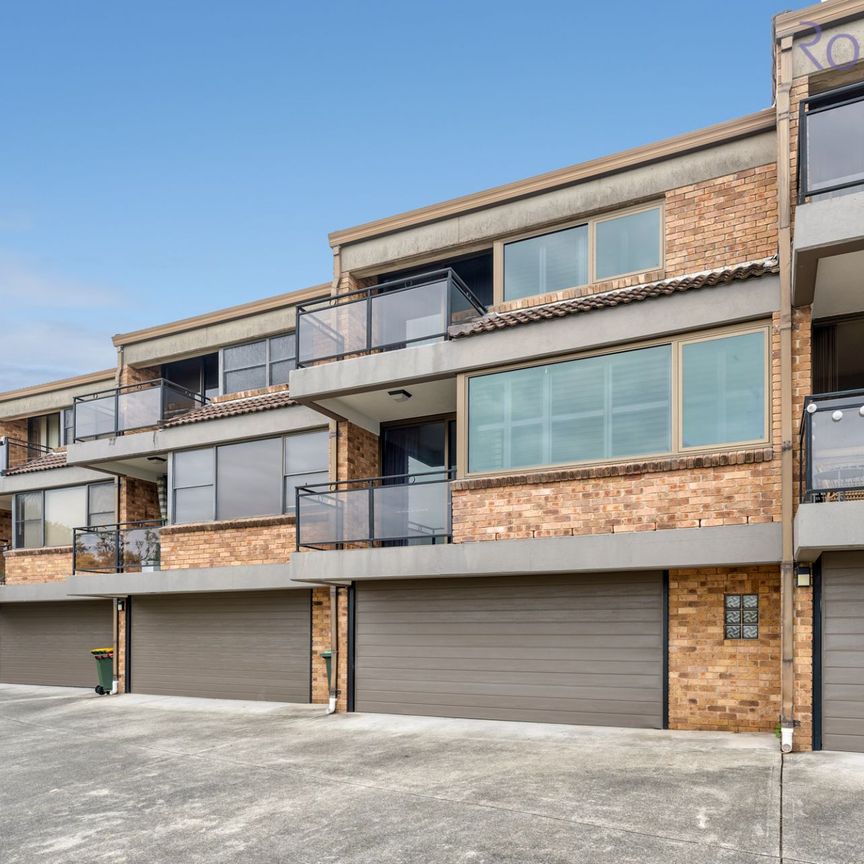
(259, 540)
(27, 566)
(357, 452)
(139, 500)
(717, 684)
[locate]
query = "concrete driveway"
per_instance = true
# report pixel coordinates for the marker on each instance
(146, 779)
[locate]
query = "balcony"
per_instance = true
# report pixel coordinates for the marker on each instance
(127, 547)
(831, 157)
(111, 413)
(17, 454)
(398, 314)
(832, 448)
(403, 509)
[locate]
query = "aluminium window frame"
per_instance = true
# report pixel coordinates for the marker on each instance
(591, 222)
(676, 342)
(268, 362)
(213, 449)
(41, 493)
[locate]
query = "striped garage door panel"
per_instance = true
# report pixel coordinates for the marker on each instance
(843, 652)
(49, 643)
(559, 649)
(232, 645)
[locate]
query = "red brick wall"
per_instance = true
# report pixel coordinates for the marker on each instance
(38, 565)
(321, 641)
(139, 500)
(715, 684)
(357, 453)
(259, 540)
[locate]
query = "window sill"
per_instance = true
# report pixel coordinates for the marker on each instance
(229, 524)
(620, 469)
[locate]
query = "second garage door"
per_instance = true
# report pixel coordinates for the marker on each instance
(50, 643)
(843, 651)
(243, 645)
(563, 649)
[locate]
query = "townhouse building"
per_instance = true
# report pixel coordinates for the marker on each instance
(587, 448)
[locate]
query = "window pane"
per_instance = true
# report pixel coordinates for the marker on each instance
(552, 262)
(193, 468)
(249, 479)
(307, 452)
(724, 390)
(193, 505)
(52, 431)
(282, 347)
(241, 356)
(68, 428)
(102, 500)
(65, 509)
(248, 379)
(279, 371)
(295, 480)
(628, 244)
(613, 406)
(28, 506)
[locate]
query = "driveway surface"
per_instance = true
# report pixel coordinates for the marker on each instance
(150, 779)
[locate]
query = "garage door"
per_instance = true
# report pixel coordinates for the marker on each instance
(49, 643)
(843, 652)
(253, 645)
(572, 649)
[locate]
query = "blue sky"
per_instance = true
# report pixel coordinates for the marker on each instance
(163, 159)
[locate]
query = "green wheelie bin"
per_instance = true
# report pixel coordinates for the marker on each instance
(105, 669)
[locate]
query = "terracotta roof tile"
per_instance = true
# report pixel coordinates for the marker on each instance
(562, 308)
(233, 408)
(55, 459)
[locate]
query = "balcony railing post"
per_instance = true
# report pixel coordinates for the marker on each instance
(371, 508)
(297, 518)
(368, 322)
(4, 454)
(118, 556)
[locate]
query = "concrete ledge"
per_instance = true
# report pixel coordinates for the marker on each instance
(38, 592)
(244, 577)
(294, 418)
(833, 526)
(51, 478)
(834, 226)
(723, 546)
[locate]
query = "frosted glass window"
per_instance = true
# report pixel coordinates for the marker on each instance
(552, 262)
(724, 390)
(607, 407)
(249, 479)
(627, 244)
(65, 509)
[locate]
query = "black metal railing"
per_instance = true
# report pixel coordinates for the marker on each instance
(394, 510)
(830, 149)
(16, 454)
(3, 548)
(831, 467)
(384, 317)
(110, 413)
(124, 547)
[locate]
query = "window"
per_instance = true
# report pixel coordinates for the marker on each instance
(250, 478)
(197, 374)
(628, 244)
(606, 407)
(258, 364)
(44, 431)
(603, 248)
(724, 390)
(306, 463)
(647, 401)
(551, 262)
(47, 517)
(68, 426)
(741, 616)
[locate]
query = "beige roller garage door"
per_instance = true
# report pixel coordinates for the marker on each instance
(49, 643)
(843, 652)
(570, 649)
(243, 645)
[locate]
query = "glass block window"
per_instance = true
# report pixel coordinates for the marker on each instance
(741, 616)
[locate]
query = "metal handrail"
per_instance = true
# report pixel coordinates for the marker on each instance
(6, 442)
(370, 485)
(115, 532)
(813, 404)
(816, 105)
(364, 295)
(117, 392)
